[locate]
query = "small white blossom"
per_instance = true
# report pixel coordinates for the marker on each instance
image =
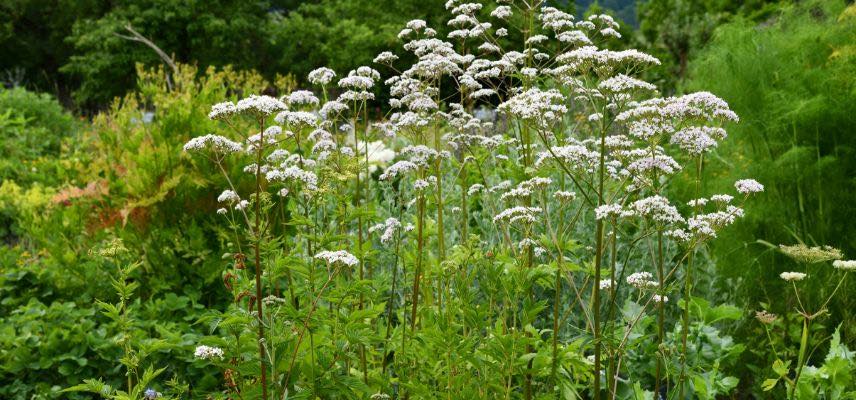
(501, 12)
(641, 280)
(385, 57)
(475, 189)
(208, 352)
(215, 142)
(722, 198)
(748, 186)
(228, 196)
(420, 184)
(294, 174)
(338, 257)
(321, 76)
(400, 167)
(792, 276)
(262, 105)
(302, 97)
(608, 210)
(845, 265)
(519, 213)
(222, 110)
(389, 227)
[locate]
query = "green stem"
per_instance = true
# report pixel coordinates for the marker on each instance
(258, 264)
(598, 260)
(688, 288)
(801, 359)
(661, 312)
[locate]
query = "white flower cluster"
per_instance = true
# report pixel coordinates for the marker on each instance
(399, 168)
(294, 174)
(516, 214)
(697, 107)
(475, 189)
(214, 142)
(811, 255)
(608, 211)
(420, 185)
(222, 110)
(722, 198)
(748, 186)
(524, 189)
(338, 257)
(602, 62)
(297, 119)
(332, 108)
(696, 140)
(575, 156)
(302, 98)
(539, 106)
(208, 352)
(792, 276)
(501, 12)
(624, 84)
(641, 280)
(421, 155)
(228, 196)
(321, 76)
(706, 225)
(659, 163)
(658, 209)
(565, 195)
(389, 227)
(260, 105)
(385, 57)
(845, 265)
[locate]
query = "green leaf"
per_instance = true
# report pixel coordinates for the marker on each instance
(728, 383)
(781, 367)
(769, 384)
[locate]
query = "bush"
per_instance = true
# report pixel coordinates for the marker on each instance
(791, 81)
(33, 126)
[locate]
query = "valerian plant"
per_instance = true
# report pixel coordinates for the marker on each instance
(507, 231)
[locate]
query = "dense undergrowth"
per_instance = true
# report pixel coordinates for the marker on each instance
(119, 266)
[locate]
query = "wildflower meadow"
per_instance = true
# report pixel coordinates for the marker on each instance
(507, 201)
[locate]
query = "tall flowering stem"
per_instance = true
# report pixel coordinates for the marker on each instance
(258, 261)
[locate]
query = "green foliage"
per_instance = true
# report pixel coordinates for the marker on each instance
(674, 30)
(833, 379)
(118, 179)
(205, 33)
(791, 82)
(33, 40)
(625, 10)
(342, 34)
(34, 128)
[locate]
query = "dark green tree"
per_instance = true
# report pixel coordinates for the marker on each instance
(219, 32)
(673, 30)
